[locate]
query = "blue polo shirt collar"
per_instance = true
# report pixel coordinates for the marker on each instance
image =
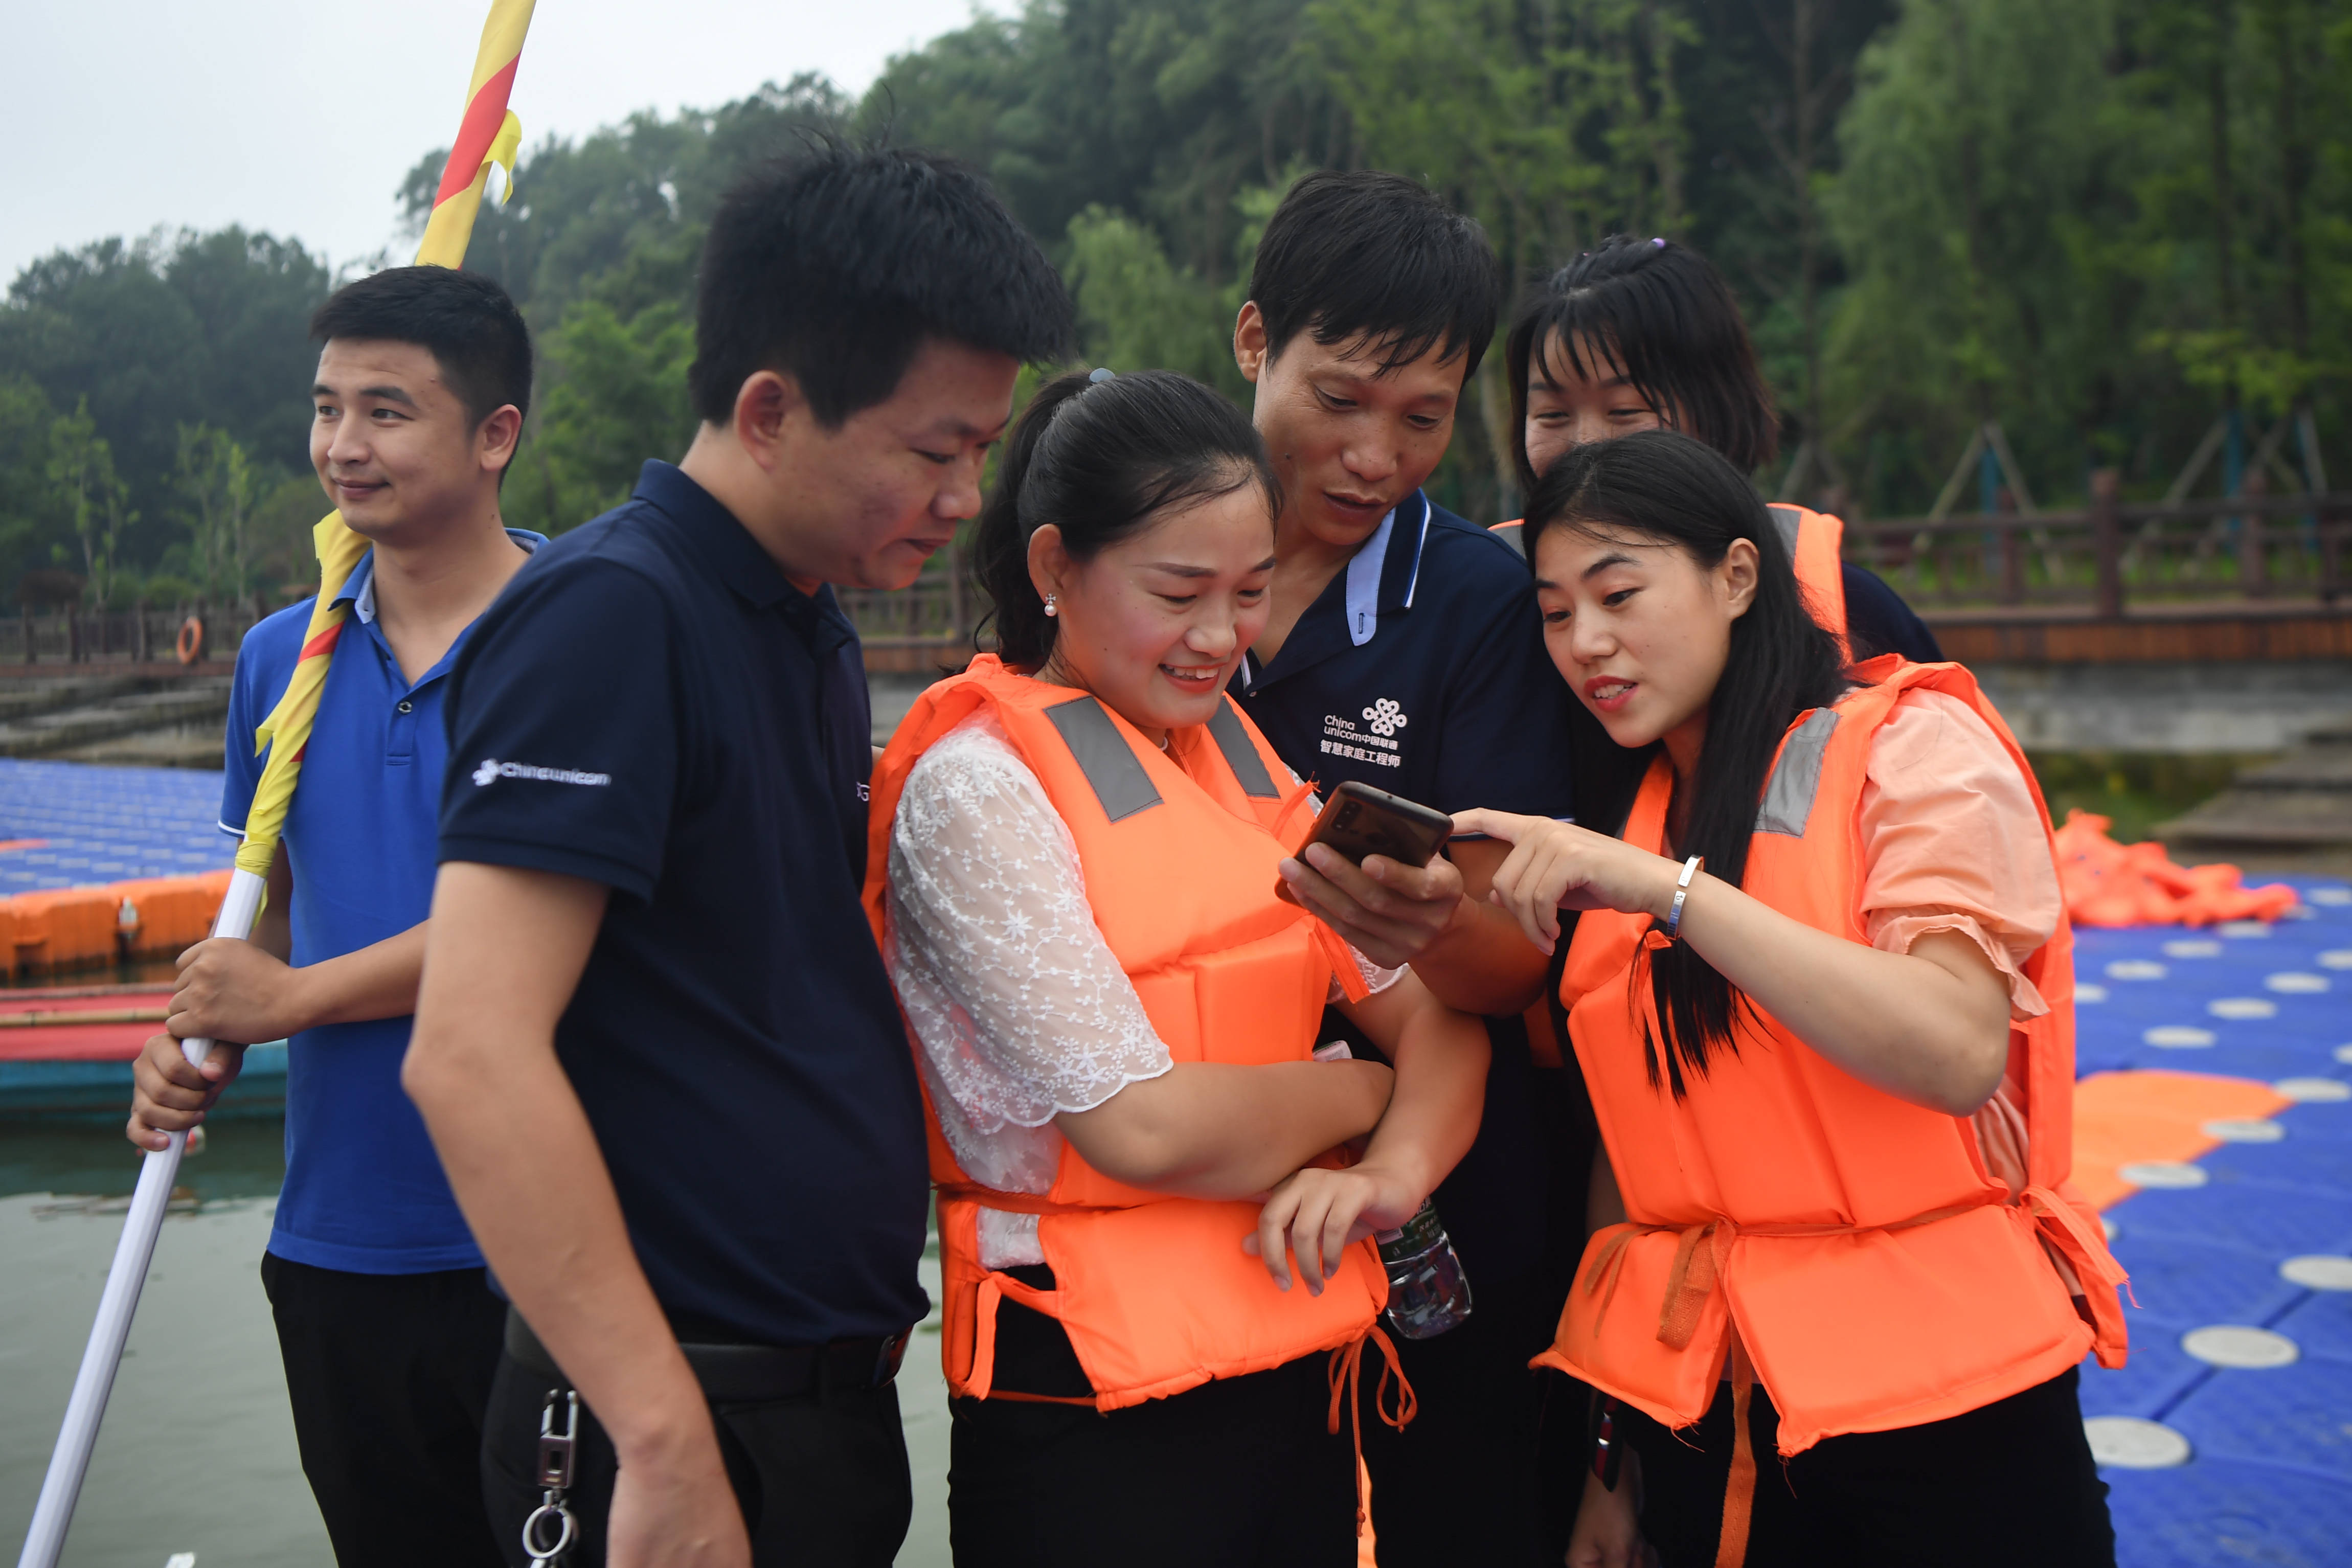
(359, 589)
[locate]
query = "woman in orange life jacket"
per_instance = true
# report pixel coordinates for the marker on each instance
(1157, 1287)
(1821, 990)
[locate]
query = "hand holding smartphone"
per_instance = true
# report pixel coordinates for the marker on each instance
(1360, 821)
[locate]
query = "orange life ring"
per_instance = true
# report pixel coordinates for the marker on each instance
(191, 646)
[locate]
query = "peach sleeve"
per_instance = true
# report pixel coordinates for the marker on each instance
(1951, 841)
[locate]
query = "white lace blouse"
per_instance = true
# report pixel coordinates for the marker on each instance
(1019, 1006)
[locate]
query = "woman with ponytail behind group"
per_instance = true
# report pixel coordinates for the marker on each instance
(1157, 1278)
(1820, 986)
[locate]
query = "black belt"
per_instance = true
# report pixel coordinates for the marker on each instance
(752, 1374)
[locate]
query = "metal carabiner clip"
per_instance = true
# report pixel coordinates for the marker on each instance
(556, 1451)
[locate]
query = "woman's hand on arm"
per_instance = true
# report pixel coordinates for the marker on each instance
(505, 949)
(1441, 1057)
(1930, 1026)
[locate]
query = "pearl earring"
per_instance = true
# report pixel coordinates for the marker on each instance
(1051, 607)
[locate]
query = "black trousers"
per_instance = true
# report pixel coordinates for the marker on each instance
(2012, 1484)
(1491, 1470)
(1238, 1471)
(388, 1375)
(821, 1480)
(1467, 1480)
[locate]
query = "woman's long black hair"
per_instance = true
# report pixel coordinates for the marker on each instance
(1663, 314)
(1101, 459)
(1663, 487)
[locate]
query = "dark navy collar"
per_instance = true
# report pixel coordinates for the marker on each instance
(725, 549)
(1380, 580)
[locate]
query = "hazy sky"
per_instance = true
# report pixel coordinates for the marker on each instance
(300, 118)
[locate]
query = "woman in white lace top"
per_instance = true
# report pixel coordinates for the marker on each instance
(1128, 549)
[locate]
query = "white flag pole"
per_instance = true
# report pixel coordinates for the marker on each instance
(70, 1461)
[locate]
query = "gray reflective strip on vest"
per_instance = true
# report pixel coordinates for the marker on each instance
(1240, 755)
(1796, 776)
(1788, 520)
(1105, 757)
(1514, 535)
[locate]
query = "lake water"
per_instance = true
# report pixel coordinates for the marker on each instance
(197, 1452)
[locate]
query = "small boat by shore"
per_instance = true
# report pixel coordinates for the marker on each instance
(67, 1052)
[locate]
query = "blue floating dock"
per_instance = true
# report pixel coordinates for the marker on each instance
(107, 824)
(2269, 1477)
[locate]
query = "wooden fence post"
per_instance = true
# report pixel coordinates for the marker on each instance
(2012, 566)
(2332, 529)
(2107, 543)
(2254, 551)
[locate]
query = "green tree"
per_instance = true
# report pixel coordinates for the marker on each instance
(615, 395)
(29, 518)
(1984, 168)
(220, 488)
(95, 500)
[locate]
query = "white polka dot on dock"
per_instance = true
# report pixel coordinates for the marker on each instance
(2128, 1443)
(2241, 1009)
(2240, 1345)
(2318, 1272)
(2182, 1037)
(2164, 1175)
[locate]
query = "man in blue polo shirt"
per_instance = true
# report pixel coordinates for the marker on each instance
(657, 1046)
(389, 1332)
(1405, 651)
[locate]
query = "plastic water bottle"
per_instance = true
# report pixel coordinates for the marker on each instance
(1428, 1292)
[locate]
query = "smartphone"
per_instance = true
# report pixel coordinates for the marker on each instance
(1360, 821)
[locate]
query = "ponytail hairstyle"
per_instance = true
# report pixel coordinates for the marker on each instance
(1662, 487)
(1102, 457)
(1659, 314)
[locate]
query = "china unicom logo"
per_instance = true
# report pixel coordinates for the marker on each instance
(1385, 716)
(491, 770)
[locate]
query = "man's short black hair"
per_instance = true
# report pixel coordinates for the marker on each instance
(1375, 255)
(835, 263)
(472, 328)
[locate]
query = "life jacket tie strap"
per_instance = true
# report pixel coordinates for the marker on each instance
(1346, 1373)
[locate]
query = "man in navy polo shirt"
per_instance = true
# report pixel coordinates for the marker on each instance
(1405, 651)
(657, 1046)
(389, 1333)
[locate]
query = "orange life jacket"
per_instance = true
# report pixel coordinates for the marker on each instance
(1179, 850)
(1814, 540)
(1850, 1247)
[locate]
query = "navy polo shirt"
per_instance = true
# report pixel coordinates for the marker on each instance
(364, 1191)
(652, 707)
(1420, 670)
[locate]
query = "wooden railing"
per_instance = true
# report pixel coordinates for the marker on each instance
(935, 615)
(142, 636)
(2109, 555)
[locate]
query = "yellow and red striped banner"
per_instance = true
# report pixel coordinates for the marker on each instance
(488, 136)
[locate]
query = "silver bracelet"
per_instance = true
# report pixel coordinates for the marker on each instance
(1682, 891)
